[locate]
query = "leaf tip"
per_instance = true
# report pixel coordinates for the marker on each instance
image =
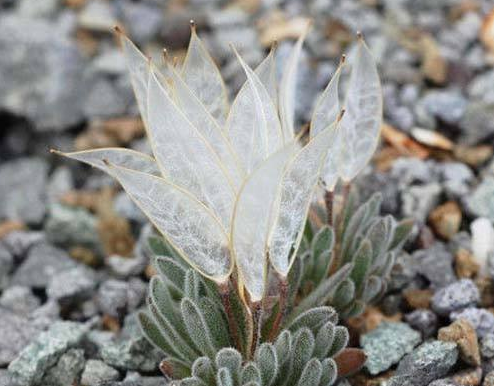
(193, 25)
(342, 59)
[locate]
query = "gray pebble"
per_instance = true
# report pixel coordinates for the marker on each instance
(424, 321)
(481, 319)
(97, 372)
(19, 299)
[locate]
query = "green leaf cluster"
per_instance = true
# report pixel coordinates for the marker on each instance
(349, 268)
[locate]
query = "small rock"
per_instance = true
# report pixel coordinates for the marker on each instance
(428, 362)
(68, 226)
(465, 264)
(97, 372)
(116, 297)
(19, 300)
(387, 344)
(7, 264)
(463, 334)
(481, 201)
(456, 178)
(104, 100)
(477, 123)
(446, 219)
(46, 350)
(489, 379)
(417, 298)
(15, 333)
(144, 381)
(131, 351)
(67, 370)
(487, 345)
(41, 71)
(43, 317)
(123, 267)
(143, 20)
(20, 242)
(481, 319)
(60, 183)
(482, 242)
(419, 200)
(447, 105)
(97, 16)
(458, 295)
(23, 188)
(468, 377)
(125, 207)
(435, 264)
(42, 263)
(72, 285)
(424, 321)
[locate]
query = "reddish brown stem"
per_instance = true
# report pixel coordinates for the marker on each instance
(256, 322)
(329, 201)
(283, 291)
(224, 290)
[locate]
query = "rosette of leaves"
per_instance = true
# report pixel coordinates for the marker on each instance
(229, 185)
(350, 268)
(299, 356)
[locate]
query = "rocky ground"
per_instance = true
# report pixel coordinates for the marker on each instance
(73, 262)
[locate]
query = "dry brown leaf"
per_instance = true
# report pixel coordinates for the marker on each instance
(402, 142)
(278, 28)
(110, 133)
(432, 139)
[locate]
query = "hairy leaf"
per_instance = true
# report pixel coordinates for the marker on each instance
(266, 72)
(232, 360)
(329, 372)
(340, 340)
(267, 361)
(312, 373)
(313, 319)
(203, 369)
(250, 373)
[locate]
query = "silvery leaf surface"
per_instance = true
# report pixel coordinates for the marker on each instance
(202, 75)
(253, 126)
(192, 229)
(361, 123)
(185, 157)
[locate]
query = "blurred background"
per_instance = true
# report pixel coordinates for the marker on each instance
(63, 84)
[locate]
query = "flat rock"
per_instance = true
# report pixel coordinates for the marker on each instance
(387, 344)
(131, 351)
(428, 362)
(72, 285)
(67, 226)
(97, 372)
(435, 264)
(481, 201)
(41, 69)
(424, 321)
(20, 300)
(456, 296)
(23, 185)
(15, 333)
(418, 201)
(463, 334)
(480, 318)
(45, 351)
(42, 263)
(67, 371)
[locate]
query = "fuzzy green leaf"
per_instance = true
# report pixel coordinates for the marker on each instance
(197, 327)
(216, 322)
(362, 262)
(313, 319)
(192, 381)
(323, 292)
(203, 369)
(344, 294)
(192, 285)
(172, 272)
(402, 231)
(267, 361)
(250, 373)
(163, 300)
(324, 340)
(232, 360)
(303, 348)
(283, 346)
(329, 372)
(340, 340)
(153, 334)
(311, 375)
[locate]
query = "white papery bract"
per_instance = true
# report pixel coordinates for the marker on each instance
(229, 186)
(360, 126)
(189, 226)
